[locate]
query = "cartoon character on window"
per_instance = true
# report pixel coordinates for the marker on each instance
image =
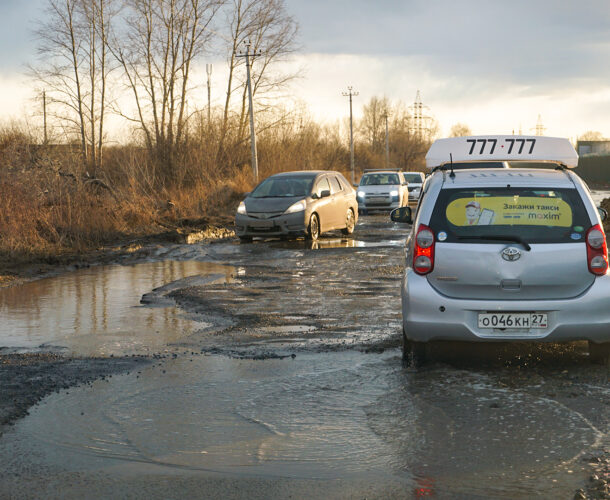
(473, 212)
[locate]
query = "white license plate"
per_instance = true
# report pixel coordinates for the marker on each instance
(515, 321)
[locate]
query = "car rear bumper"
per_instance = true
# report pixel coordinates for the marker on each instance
(283, 225)
(429, 315)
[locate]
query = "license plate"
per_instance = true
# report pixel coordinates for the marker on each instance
(515, 321)
(261, 224)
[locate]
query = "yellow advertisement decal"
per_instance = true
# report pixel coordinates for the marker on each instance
(509, 210)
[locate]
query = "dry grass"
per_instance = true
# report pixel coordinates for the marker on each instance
(48, 209)
(52, 206)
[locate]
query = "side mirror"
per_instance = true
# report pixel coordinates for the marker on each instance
(402, 214)
(325, 193)
(603, 213)
(405, 183)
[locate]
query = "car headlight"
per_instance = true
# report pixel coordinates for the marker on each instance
(394, 193)
(360, 194)
(241, 209)
(299, 206)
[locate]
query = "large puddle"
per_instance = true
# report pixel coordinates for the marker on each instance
(361, 418)
(97, 311)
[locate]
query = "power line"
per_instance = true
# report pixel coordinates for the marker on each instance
(540, 128)
(387, 139)
(351, 93)
(208, 70)
(420, 118)
(247, 55)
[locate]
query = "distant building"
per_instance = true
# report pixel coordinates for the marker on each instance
(588, 148)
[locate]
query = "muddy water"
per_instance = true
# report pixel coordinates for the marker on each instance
(347, 416)
(300, 392)
(97, 311)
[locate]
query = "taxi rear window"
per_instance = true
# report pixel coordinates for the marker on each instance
(538, 215)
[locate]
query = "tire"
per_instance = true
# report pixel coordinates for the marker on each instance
(350, 222)
(600, 353)
(414, 354)
(245, 239)
(313, 231)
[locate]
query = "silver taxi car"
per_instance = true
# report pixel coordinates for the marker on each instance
(292, 204)
(505, 254)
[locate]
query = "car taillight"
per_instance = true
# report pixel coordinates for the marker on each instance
(423, 254)
(597, 251)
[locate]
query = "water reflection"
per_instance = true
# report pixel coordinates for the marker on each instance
(325, 243)
(96, 311)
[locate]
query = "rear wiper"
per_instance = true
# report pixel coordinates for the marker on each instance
(499, 237)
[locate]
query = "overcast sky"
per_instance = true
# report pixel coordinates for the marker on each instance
(495, 66)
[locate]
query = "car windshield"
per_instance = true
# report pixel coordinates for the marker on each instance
(416, 178)
(284, 187)
(535, 215)
(379, 180)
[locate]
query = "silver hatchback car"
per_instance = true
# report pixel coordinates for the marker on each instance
(505, 254)
(292, 204)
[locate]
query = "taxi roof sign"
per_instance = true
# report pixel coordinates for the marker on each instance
(528, 148)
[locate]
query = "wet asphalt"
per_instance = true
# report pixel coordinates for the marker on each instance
(277, 373)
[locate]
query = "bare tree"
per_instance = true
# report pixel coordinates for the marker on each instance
(74, 69)
(372, 123)
(272, 34)
(460, 130)
(156, 50)
(591, 135)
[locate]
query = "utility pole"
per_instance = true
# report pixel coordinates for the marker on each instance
(44, 116)
(208, 70)
(351, 93)
(387, 140)
(247, 55)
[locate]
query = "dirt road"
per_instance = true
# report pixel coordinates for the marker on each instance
(282, 377)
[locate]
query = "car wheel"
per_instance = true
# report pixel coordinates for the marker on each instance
(313, 231)
(413, 353)
(350, 222)
(599, 353)
(245, 239)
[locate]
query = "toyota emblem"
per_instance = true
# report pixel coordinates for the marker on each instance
(511, 254)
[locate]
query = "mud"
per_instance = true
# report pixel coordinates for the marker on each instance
(25, 379)
(290, 383)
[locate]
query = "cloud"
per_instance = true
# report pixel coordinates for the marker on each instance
(521, 42)
(16, 94)
(487, 104)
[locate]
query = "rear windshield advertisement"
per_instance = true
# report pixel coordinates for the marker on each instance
(509, 210)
